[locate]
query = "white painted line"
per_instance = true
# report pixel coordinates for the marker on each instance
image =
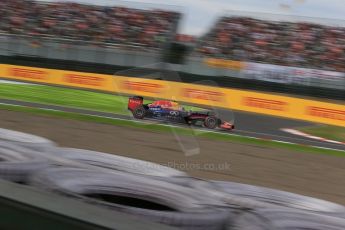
(11, 104)
(285, 142)
(299, 133)
(51, 109)
(15, 82)
(329, 148)
(279, 136)
(176, 126)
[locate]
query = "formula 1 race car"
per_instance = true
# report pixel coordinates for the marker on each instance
(171, 111)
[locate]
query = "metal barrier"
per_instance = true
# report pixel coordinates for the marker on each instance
(64, 49)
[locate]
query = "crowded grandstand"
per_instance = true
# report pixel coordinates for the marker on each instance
(300, 44)
(91, 23)
(283, 43)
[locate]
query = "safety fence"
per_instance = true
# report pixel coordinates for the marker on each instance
(263, 103)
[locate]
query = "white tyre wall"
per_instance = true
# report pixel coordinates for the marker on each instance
(17, 163)
(119, 163)
(285, 219)
(192, 209)
(24, 139)
(273, 197)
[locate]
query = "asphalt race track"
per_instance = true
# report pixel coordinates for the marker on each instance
(247, 124)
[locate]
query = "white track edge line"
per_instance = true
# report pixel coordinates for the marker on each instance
(300, 133)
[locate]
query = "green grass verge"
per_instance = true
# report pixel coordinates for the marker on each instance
(183, 131)
(51, 95)
(326, 131)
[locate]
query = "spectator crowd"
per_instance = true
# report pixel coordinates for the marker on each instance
(283, 43)
(149, 28)
(235, 38)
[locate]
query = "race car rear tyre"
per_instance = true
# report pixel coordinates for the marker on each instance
(211, 122)
(139, 112)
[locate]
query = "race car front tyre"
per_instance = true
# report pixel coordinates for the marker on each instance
(139, 112)
(211, 122)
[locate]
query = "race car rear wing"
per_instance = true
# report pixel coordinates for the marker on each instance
(134, 102)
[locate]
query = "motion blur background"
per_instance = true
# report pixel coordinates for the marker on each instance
(283, 74)
(271, 52)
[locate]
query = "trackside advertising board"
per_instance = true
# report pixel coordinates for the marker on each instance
(264, 103)
(224, 64)
(289, 75)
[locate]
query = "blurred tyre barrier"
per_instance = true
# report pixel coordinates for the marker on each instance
(26, 207)
(161, 194)
(17, 163)
(250, 101)
(285, 219)
(274, 198)
(26, 140)
(81, 158)
(151, 199)
(76, 158)
(124, 164)
(236, 202)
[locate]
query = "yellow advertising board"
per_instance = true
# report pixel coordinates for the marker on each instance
(26, 73)
(263, 103)
(84, 80)
(224, 64)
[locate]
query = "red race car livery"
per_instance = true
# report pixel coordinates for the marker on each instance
(171, 111)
